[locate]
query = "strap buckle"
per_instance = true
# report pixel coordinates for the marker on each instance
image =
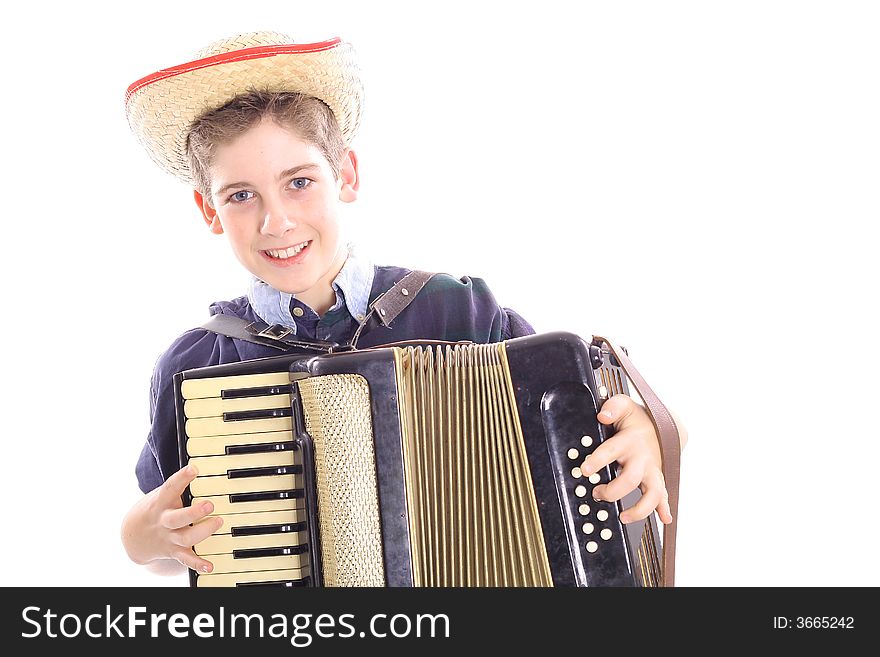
(273, 332)
(284, 337)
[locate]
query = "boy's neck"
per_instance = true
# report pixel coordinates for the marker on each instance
(321, 296)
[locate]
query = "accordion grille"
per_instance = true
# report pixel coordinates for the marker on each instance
(472, 509)
(336, 410)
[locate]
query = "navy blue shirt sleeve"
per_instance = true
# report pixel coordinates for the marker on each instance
(160, 458)
(513, 325)
(505, 323)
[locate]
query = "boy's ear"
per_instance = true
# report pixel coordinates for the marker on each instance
(209, 213)
(349, 177)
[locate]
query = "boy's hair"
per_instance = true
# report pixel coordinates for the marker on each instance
(308, 117)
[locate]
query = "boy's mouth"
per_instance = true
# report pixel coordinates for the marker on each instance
(290, 254)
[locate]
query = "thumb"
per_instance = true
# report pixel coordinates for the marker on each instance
(177, 483)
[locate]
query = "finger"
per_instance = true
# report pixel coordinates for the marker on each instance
(189, 536)
(187, 515)
(177, 483)
(191, 560)
(655, 481)
(654, 498)
(663, 509)
(628, 480)
(617, 408)
(644, 507)
(607, 452)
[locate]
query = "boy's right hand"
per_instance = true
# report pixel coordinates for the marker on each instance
(160, 527)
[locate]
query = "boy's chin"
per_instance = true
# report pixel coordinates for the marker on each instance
(284, 280)
(286, 288)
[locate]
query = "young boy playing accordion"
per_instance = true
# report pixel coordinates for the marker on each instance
(261, 129)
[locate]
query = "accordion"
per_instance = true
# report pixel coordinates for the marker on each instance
(422, 464)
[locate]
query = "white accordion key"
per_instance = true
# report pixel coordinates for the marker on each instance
(216, 406)
(204, 486)
(214, 387)
(223, 505)
(263, 541)
(217, 426)
(227, 563)
(253, 577)
(218, 445)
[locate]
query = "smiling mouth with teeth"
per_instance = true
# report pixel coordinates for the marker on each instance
(290, 252)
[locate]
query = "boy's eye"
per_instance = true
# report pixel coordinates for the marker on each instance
(300, 183)
(240, 197)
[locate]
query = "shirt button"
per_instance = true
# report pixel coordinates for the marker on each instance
(298, 311)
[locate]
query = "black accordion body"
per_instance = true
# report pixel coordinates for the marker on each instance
(419, 465)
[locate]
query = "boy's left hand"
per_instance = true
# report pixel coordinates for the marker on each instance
(636, 447)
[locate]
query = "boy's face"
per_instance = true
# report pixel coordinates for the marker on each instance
(275, 197)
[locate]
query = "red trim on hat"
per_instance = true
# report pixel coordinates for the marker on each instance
(257, 52)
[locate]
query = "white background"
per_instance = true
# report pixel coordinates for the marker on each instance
(698, 180)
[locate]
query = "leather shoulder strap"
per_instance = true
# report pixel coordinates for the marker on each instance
(391, 303)
(384, 310)
(388, 305)
(670, 450)
(274, 335)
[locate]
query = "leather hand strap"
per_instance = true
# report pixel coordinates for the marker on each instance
(670, 450)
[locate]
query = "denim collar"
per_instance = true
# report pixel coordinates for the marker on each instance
(352, 285)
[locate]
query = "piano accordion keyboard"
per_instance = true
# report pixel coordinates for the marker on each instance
(239, 437)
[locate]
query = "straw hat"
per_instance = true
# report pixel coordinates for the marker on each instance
(161, 107)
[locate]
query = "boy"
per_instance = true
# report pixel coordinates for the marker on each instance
(261, 128)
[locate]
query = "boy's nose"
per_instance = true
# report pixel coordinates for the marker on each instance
(277, 220)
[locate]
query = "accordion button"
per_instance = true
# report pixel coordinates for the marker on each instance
(602, 515)
(588, 528)
(586, 441)
(576, 473)
(592, 546)
(584, 509)
(594, 478)
(573, 454)
(605, 534)
(580, 491)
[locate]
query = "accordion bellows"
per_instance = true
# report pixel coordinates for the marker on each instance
(427, 465)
